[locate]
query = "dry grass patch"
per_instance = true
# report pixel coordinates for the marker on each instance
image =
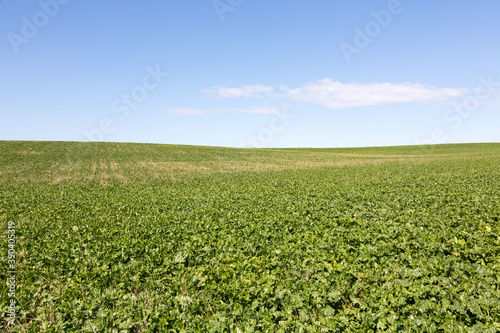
(169, 166)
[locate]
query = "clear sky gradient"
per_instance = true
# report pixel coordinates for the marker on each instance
(254, 73)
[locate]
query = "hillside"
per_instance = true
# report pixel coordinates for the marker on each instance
(115, 237)
(104, 163)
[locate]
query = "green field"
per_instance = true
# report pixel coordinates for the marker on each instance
(116, 237)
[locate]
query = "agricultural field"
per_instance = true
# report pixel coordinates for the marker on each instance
(116, 237)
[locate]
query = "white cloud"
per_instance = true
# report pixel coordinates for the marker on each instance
(331, 94)
(260, 109)
(188, 111)
(255, 91)
(334, 94)
(252, 110)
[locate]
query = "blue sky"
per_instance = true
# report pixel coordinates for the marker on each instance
(257, 73)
